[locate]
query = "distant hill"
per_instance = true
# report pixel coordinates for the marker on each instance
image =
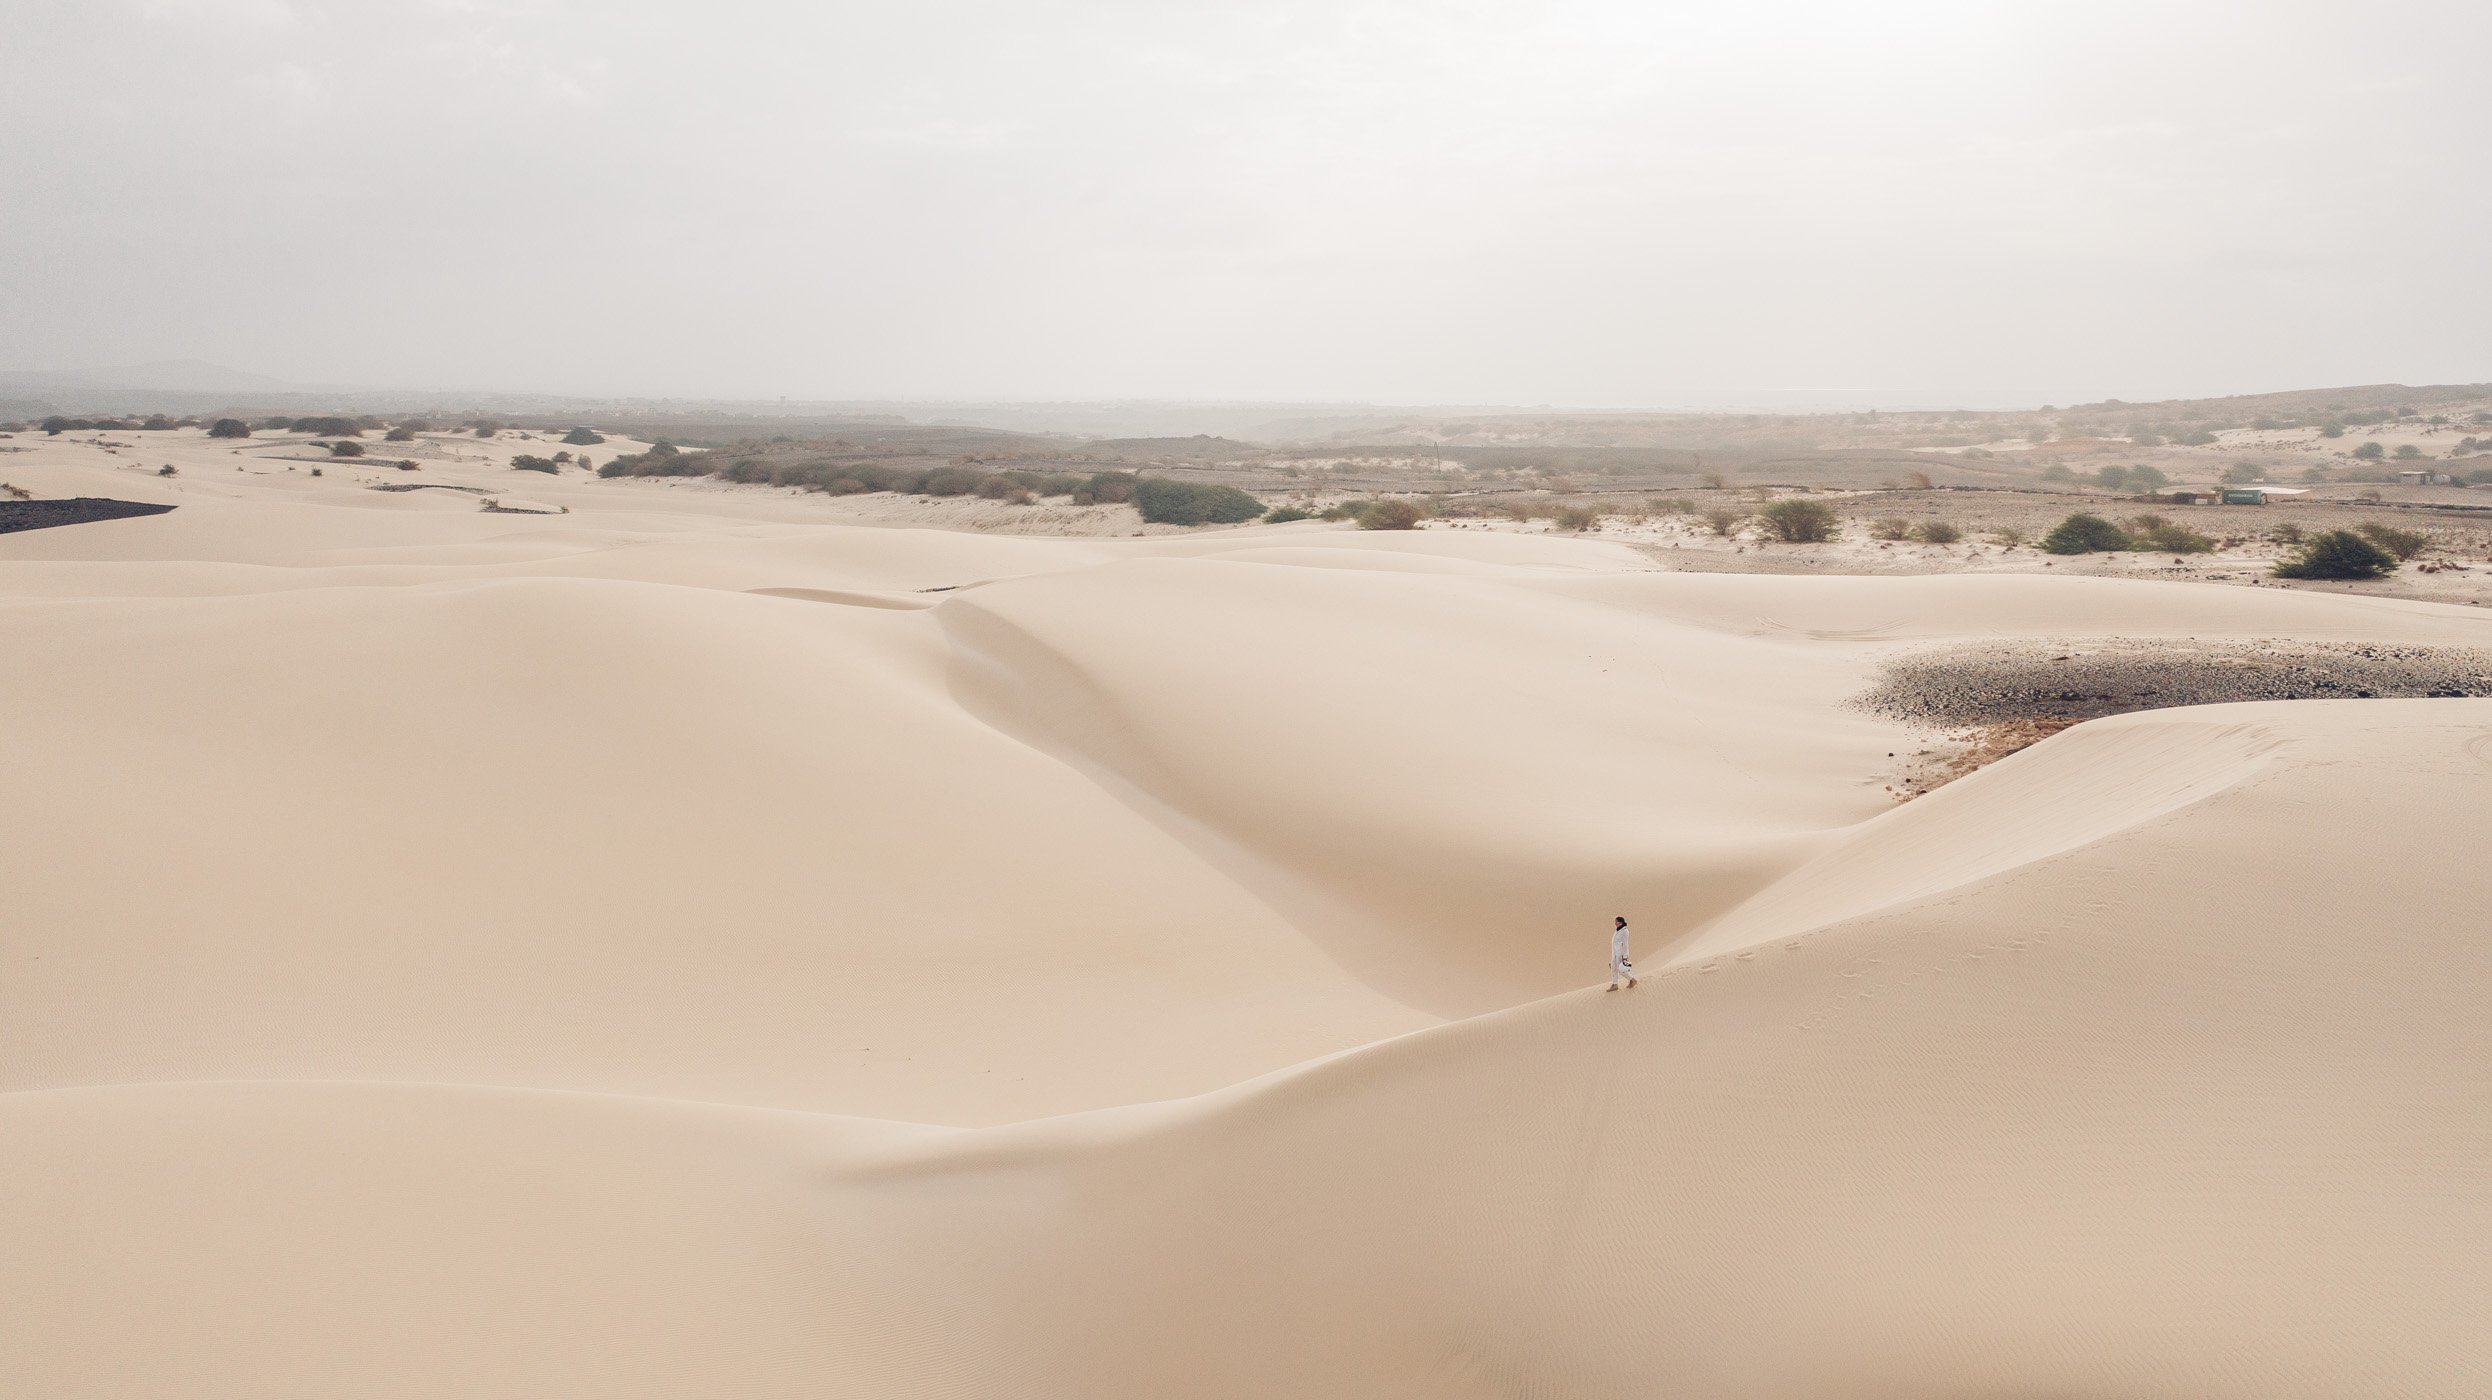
(156, 376)
(2303, 402)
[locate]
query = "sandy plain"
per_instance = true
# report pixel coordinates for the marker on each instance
(695, 942)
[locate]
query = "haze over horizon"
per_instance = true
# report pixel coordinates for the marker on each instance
(1593, 205)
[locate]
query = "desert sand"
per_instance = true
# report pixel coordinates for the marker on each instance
(696, 943)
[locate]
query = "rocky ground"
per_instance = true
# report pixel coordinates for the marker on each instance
(1987, 701)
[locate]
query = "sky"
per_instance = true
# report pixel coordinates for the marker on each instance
(1571, 202)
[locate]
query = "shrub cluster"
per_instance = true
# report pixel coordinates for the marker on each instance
(229, 428)
(2084, 534)
(1189, 503)
(1801, 522)
(582, 437)
(1390, 514)
(527, 463)
(2338, 554)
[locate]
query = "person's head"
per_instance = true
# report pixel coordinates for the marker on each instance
(1622, 921)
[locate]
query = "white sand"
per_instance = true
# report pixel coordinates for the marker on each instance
(662, 950)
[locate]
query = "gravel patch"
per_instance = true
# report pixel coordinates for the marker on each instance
(1996, 682)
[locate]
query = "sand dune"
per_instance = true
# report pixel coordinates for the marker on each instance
(695, 945)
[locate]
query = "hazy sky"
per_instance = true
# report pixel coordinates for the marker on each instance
(1614, 204)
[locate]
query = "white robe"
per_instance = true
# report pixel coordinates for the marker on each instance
(1618, 964)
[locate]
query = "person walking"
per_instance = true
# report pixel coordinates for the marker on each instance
(1619, 965)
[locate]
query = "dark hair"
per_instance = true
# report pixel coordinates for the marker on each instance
(1622, 918)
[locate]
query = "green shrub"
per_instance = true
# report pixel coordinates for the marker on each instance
(2196, 438)
(485, 429)
(582, 437)
(1575, 519)
(527, 463)
(2289, 532)
(401, 433)
(2113, 478)
(2058, 472)
(2370, 451)
(2085, 534)
(1282, 515)
(2338, 554)
(229, 428)
(328, 427)
(2405, 544)
(1801, 522)
(1890, 527)
(2144, 478)
(2408, 452)
(1164, 502)
(1390, 515)
(1723, 522)
(346, 449)
(2331, 430)
(167, 470)
(2008, 536)
(1937, 532)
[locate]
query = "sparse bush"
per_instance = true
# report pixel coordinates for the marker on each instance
(2408, 452)
(2405, 544)
(2331, 430)
(1390, 515)
(2370, 452)
(2143, 478)
(346, 449)
(329, 427)
(1723, 522)
(315, 471)
(2085, 534)
(229, 428)
(2198, 437)
(1801, 522)
(1937, 532)
(2338, 554)
(1890, 527)
(1282, 515)
(2057, 471)
(582, 437)
(2008, 536)
(996, 488)
(167, 470)
(1713, 480)
(1670, 505)
(2113, 478)
(2154, 534)
(400, 433)
(527, 463)
(2290, 532)
(15, 492)
(485, 429)
(1575, 519)
(1165, 502)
